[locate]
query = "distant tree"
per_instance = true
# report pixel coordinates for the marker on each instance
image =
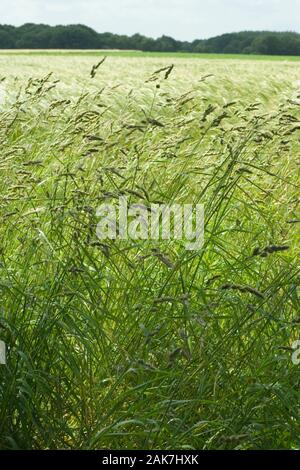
(7, 38)
(269, 44)
(185, 46)
(40, 36)
(167, 44)
(290, 44)
(74, 37)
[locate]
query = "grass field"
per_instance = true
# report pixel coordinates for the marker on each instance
(140, 54)
(142, 344)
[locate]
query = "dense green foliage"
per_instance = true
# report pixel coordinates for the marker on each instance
(39, 36)
(112, 344)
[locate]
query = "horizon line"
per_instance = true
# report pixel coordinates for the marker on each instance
(154, 37)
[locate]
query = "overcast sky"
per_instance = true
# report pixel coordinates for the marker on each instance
(182, 19)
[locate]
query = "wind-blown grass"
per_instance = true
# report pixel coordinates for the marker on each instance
(107, 345)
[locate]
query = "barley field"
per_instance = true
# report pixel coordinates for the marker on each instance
(141, 344)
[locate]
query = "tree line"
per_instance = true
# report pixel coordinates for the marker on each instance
(40, 36)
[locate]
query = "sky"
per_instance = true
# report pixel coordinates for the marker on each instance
(181, 19)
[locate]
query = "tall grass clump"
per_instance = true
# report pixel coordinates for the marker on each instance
(142, 344)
